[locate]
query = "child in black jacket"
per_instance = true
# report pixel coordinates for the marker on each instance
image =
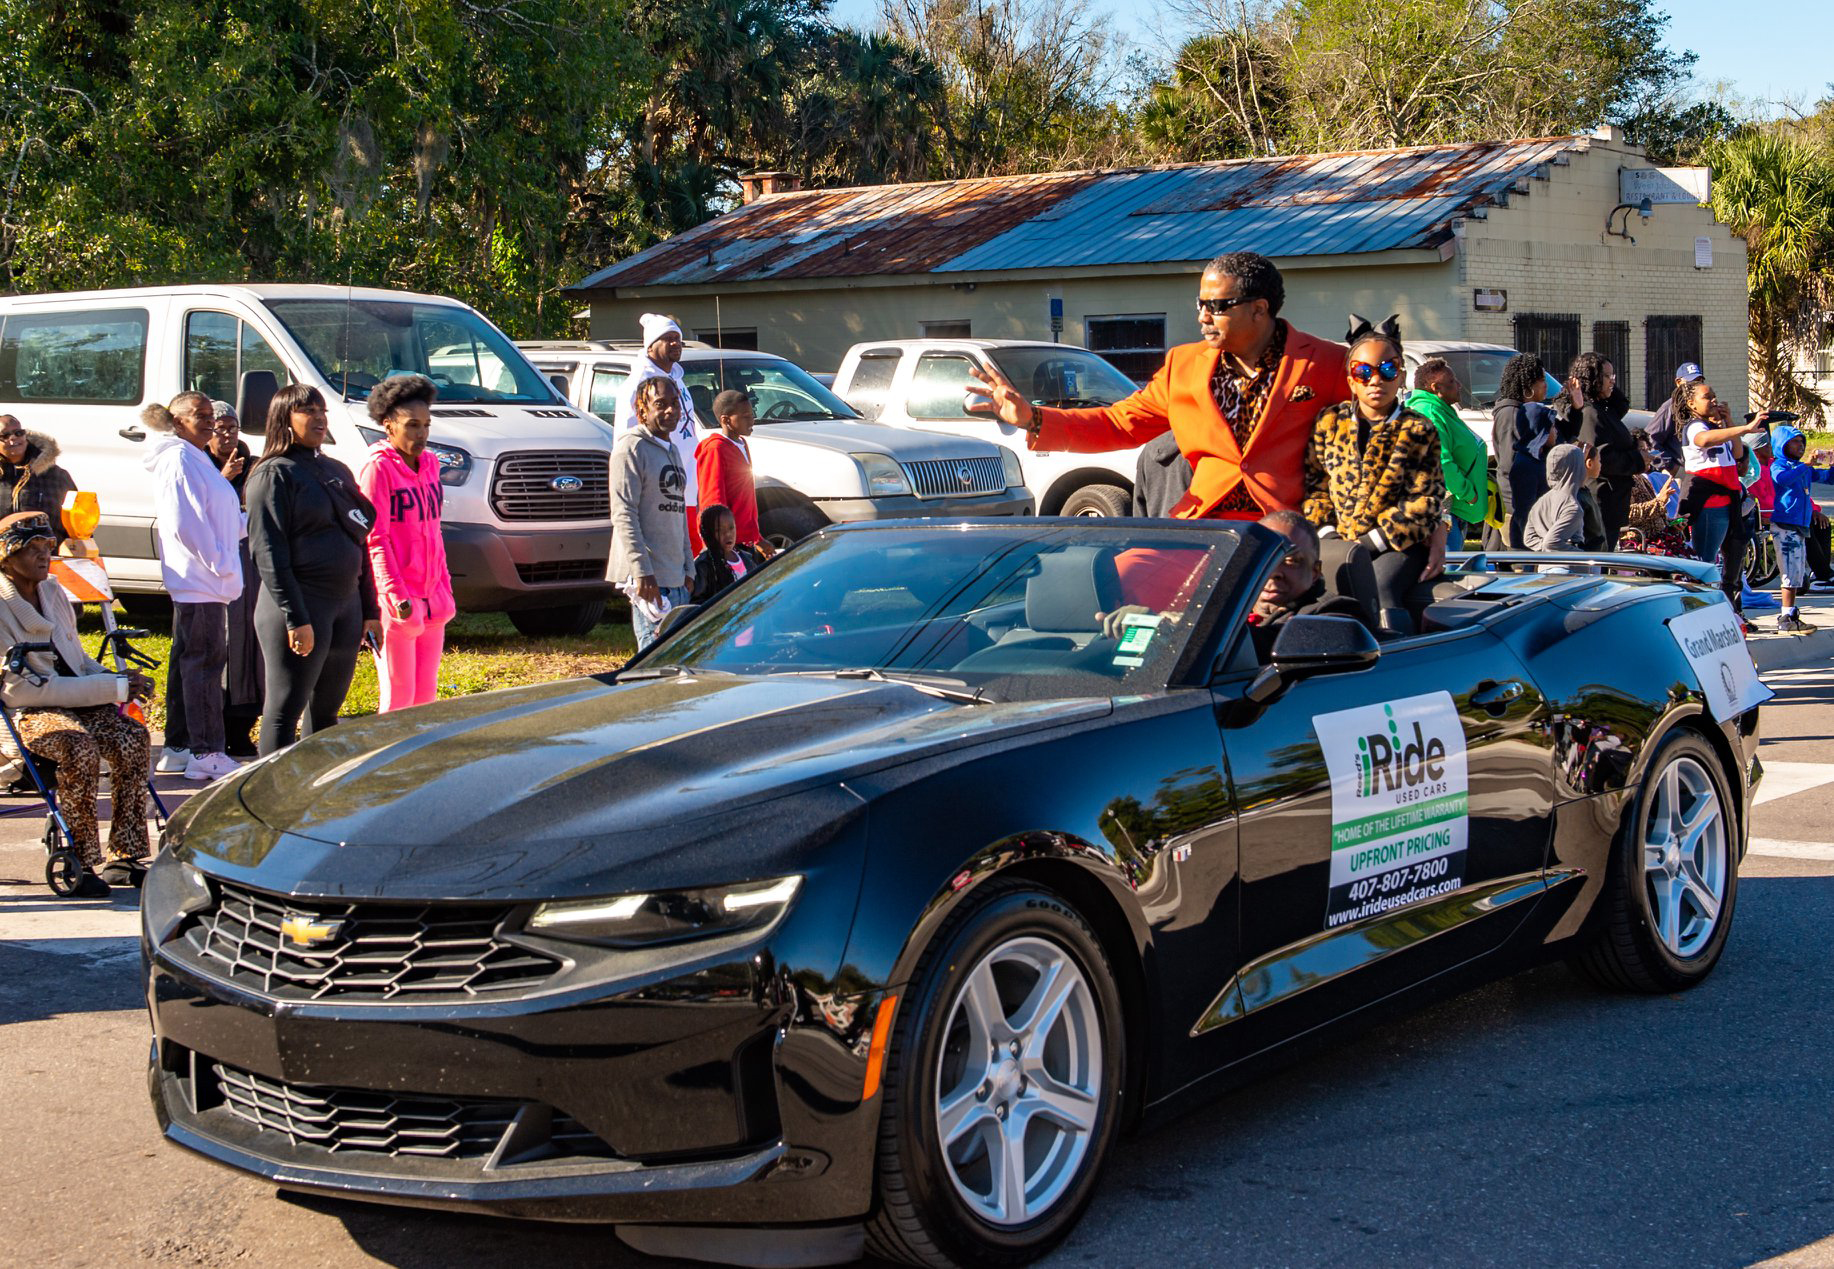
(724, 561)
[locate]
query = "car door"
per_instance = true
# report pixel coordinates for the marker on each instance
(1394, 823)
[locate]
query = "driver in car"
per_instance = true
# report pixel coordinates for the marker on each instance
(1297, 585)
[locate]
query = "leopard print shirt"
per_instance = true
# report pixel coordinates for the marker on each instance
(1242, 403)
(1394, 483)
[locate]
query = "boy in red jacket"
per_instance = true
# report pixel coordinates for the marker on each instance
(722, 463)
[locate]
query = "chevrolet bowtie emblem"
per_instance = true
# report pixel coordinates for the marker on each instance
(308, 932)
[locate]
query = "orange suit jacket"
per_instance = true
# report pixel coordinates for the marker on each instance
(1309, 377)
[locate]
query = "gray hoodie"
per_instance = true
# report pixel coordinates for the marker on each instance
(649, 519)
(1557, 522)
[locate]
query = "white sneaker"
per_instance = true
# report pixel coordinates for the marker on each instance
(210, 766)
(173, 761)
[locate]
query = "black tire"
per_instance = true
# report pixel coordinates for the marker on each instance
(569, 622)
(784, 527)
(1627, 953)
(64, 873)
(1098, 500)
(1761, 564)
(920, 1218)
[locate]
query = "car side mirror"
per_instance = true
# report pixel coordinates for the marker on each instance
(675, 618)
(1310, 643)
(560, 385)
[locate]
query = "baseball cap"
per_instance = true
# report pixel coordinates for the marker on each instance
(1689, 372)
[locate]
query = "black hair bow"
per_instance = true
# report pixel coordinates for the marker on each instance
(1362, 327)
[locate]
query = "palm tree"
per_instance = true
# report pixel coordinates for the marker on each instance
(1777, 193)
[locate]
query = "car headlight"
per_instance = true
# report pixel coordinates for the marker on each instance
(454, 463)
(172, 891)
(883, 475)
(1010, 467)
(649, 920)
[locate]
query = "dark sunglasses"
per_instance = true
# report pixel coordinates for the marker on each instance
(1216, 308)
(11, 436)
(1364, 372)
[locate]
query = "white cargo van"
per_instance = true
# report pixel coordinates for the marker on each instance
(527, 513)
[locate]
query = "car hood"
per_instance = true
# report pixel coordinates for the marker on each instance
(559, 789)
(485, 428)
(907, 445)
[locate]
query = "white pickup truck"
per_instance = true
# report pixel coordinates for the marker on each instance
(920, 383)
(815, 460)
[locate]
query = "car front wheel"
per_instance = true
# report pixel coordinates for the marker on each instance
(1666, 908)
(1001, 1086)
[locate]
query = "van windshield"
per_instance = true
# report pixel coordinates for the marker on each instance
(358, 344)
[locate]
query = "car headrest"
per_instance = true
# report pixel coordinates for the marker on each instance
(1071, 587)
(1349, 571)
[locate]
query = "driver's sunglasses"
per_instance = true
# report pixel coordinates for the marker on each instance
(9, 437)
(1365, 372)
(1216, 308)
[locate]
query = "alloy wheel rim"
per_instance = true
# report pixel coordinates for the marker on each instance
(1686, 860)
(1018, 1086)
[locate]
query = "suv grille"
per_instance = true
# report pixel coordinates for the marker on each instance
(564, 485)
(954, 477)
(377, 951)
(357, 1120)
(561, 571)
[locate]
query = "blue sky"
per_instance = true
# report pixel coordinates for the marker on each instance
(1756, 44)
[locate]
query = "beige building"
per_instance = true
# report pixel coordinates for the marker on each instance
(1534, 244)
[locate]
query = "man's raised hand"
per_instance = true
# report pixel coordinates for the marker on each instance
(1002, 400)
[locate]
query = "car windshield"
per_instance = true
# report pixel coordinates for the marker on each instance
(356, 345)
(1062, 378)
(781, 391)
(1007, 612)
(1480, 371)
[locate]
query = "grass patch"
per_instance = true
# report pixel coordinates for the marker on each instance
(483, 652)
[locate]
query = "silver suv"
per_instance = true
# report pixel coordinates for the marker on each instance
(815, 459)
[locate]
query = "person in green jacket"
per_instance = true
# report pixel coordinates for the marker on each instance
(1461, 454)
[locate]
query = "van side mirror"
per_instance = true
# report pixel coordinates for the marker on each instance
(255, 395)
(1310, 643)
(560, 385)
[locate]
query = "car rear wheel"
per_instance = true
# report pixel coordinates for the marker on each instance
(1666, 909)
(1098, 500)
(571, 621)
(784, 527)
(1001, 1087)
(1761, 566)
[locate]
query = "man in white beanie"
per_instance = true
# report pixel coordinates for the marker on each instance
(662, 360)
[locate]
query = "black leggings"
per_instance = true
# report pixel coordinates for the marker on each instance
(319, 680)
(1396, 575)
(1613, 494)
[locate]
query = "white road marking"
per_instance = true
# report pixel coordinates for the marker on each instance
(1776, 848)
(1784, 778)
(48, 923)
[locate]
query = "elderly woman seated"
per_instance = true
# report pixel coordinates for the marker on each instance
(66, 706)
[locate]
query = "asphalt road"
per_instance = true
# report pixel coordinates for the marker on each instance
(1532, 1122)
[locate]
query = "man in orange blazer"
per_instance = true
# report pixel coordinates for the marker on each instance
(1241, 402)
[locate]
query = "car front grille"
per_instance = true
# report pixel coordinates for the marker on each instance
(351, 1120)
(376, 951)
(561, 571)
(955, 477)
(562, 485)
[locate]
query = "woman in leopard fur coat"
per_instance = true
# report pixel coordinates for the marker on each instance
(1372, 470)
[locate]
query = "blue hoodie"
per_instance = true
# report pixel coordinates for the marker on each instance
(1794, 508)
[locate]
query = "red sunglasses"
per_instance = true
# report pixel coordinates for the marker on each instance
(1364, 372)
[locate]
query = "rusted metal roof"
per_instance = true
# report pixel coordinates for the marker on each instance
(1316, 204)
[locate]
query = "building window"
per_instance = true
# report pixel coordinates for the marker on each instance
(954, 328)
(1668, 342)
(872, 381)
(1824, 363)
(1134, 342)
(1611, 340)
(744, 338)
(1553, 337)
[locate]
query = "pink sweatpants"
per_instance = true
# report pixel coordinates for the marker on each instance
(410, 660)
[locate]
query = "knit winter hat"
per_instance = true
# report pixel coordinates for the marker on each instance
(655, 326)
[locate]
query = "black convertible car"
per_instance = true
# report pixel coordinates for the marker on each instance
(869, 905)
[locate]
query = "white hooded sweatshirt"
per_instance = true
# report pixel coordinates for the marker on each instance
(198, 523)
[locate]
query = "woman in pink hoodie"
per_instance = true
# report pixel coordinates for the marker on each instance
(406, 551)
